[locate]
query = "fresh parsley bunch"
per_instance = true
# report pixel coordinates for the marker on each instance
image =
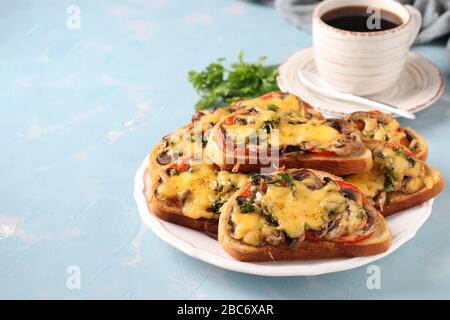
(219, 85)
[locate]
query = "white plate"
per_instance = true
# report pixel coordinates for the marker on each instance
(198, 245)
(419, 86)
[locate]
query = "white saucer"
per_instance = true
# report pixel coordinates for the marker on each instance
(419, 86)
(197, 245)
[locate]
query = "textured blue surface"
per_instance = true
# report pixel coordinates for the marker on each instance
(79, 111)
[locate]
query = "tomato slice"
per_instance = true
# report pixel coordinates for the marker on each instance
(404, 142)
(311, 237)
(360, 125)
(345, 185)
(270, 95)
(396, 147)
(181, 165)
(229, 120)
(246, 192)
(325, 153)
(306, 105)
(356, 239)
(264, 187)
(374, 112)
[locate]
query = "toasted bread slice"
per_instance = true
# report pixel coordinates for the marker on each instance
(172, 146)
(190, 139)
(268, 134)
(359, 160)
(419, 145)
(400, 201)
(174, 214)
(376, 125)
(153, 165)
(191, 194)
(377, 240)
(398, 180)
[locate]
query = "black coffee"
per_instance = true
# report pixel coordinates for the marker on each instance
(358, 19)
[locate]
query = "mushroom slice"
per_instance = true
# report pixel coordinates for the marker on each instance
(164, 157)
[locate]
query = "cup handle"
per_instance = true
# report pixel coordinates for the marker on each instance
(416, 23)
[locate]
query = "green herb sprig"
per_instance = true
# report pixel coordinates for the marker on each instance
(218, 85)
(247, 206)
(391, 179)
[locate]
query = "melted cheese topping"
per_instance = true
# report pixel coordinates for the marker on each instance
(214, 117)
(275, 113)
(295, 212)
(312, 131)
(200, 185)
(410, 176)
(385, 132)
(187, 142)
(251, 228)
(205, 187)
(231, 180)
(288, 104)
(371, 183)
(254, 123)
(429, 181)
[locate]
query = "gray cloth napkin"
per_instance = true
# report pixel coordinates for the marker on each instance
(435, 16)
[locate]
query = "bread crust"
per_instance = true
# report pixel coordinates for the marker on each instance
(172, 214)
(422, 147)
(307, 250)
(153, 165)
(407, 201)
(422, 152)
(404, 201)
(377, 243)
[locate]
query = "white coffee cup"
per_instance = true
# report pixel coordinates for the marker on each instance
(363, 63)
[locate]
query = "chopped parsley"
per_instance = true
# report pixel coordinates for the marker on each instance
(272, 107)
(269, 217)
(247, 205)
(287, 179)
(400, 152)
(391, 179)
(173, 172)
(218, 85)
(269, 125)
(361, 214)
(215, 206)
(255, 178)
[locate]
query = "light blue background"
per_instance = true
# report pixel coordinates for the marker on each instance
(79, 111)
